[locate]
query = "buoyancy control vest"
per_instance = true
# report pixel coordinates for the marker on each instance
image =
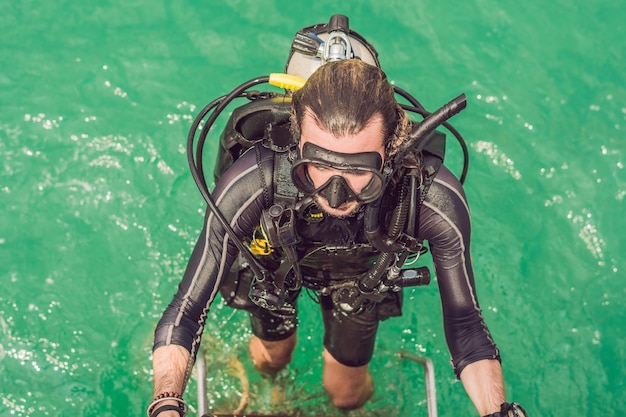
(263, 123)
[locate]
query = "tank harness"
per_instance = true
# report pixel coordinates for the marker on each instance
(264, 124)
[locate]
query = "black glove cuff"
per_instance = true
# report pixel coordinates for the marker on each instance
(509, 410)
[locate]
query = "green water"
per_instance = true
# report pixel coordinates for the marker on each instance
(99, 211)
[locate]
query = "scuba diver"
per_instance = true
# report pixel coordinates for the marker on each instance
(328, 187)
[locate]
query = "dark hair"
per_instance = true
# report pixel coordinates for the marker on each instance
(344, 96)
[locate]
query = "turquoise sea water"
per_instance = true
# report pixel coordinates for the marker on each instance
(99, 211)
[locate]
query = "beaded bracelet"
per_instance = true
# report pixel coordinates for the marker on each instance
(165, 396)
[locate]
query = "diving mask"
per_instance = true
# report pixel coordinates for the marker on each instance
(344, 177)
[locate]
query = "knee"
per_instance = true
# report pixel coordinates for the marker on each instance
(348, 387)
(269, 356)
(350, 396)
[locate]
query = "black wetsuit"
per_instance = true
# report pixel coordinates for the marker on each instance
(444, 222)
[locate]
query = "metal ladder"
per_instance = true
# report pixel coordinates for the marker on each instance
(427, 364)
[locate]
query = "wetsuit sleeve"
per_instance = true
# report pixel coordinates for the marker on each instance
(239, 196)
(445, 224)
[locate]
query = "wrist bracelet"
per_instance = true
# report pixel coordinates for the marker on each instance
(166, 396)
(168, 407)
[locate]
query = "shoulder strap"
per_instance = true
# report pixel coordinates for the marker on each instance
(275, 171)
(430, 167)
(265, 161)
(285, 191)
(279, 216)
(432, 159)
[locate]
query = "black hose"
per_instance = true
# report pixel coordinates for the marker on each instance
(219, 104)
(429, 124)
(409, 97)
(416, 107)
(197, 172)
(387, 246)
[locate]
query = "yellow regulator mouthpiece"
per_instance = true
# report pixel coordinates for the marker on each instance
(287, 81)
